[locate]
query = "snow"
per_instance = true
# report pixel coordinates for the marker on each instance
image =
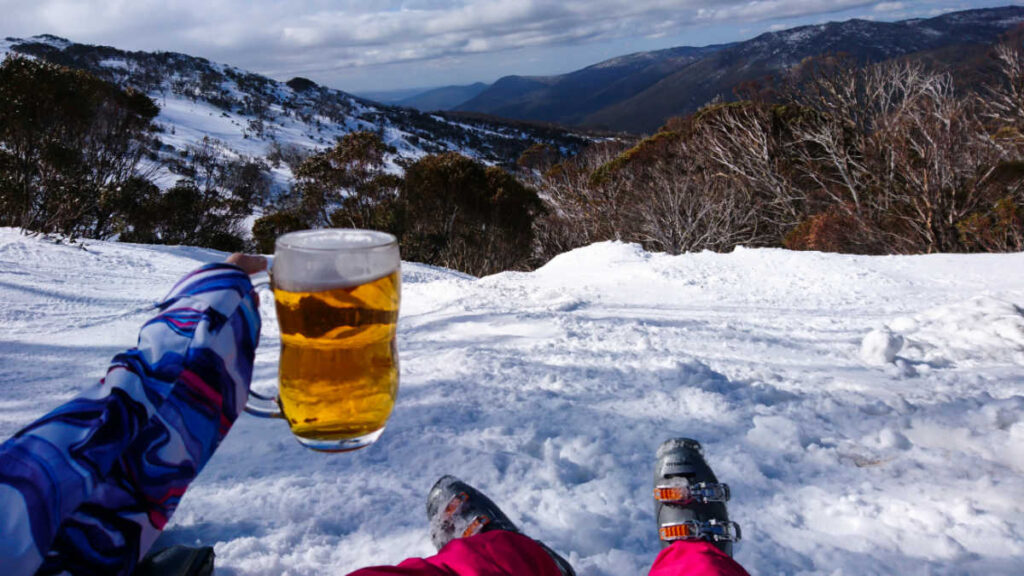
(551, 390)
(980, 329)
(803, 34)
(880, 346)
(192, 120)
(114, 63)
(186, 118)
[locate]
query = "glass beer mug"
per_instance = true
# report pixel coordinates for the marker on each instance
(336, 293)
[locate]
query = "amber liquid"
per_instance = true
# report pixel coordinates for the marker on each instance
(339, 362)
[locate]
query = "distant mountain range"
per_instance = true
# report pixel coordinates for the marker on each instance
(638, 92)
(443, 98)
(250, 114)
(436, 99)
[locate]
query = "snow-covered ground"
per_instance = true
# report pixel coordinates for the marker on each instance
(868, 412)
(308, 121)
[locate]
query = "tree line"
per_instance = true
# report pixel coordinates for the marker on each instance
(445, 209)
(834, 156)
(78, 157)
(890, 158)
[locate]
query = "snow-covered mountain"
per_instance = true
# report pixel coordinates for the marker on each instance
(249, 114)
(868, 412)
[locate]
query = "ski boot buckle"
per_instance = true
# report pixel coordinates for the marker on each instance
(679, 491)
(712, 531)
(451, 516)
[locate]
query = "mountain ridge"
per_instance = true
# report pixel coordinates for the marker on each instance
(640, 98)
(443, 98)
(247, 114)
(569, 98)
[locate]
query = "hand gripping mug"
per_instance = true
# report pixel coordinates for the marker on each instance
(336, 293)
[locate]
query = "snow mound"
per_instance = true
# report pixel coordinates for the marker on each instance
(880, 346)
(982, 329)
(413, 273)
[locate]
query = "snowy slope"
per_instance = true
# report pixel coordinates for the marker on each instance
(247, 114)
(550, 390)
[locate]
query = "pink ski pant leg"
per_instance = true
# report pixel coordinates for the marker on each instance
(695, 558)
(497, 553)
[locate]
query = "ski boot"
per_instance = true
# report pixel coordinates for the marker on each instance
(457, 510)
(689, 502)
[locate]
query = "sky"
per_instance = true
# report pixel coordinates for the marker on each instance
(373, 45)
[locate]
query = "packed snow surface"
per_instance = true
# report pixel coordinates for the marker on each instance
(867, 411)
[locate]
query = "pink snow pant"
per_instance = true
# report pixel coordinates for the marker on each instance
(501, 553)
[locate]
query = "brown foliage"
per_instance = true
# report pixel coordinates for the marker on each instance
(447, 210)
(66, 140)
(831, 231)
(886, 158)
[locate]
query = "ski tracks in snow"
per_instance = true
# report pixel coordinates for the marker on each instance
(551, 390)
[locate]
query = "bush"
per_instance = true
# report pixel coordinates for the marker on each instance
(1000, 229)
(463, 215)
(886, 158)
(832, 231)
(266, 229)
(66, 139)
(134, 211)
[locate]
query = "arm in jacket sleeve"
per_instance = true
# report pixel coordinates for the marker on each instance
(88, 487)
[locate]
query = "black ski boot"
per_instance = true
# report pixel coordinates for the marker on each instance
(457, 510)
(689, 502)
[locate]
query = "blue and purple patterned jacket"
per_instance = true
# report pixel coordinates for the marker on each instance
(87, 488)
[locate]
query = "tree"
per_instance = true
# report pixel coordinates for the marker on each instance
(353, 166)
(266, 229)
(207, 205)
(66, 140)
(898, 155)
(463, 215)
(448, 210)
(581, 203)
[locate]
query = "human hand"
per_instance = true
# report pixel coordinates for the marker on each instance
(249, 263)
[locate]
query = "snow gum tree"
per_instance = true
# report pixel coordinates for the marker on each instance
(461, 214)
(68, 140)
(447, 209)
(880, 159)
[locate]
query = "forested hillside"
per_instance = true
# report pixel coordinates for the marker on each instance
(835, 154)
(640, 92)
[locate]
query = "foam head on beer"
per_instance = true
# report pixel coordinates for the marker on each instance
(336, 293)
(332, 259)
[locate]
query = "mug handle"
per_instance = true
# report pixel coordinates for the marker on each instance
(263, 406)
(258, 404)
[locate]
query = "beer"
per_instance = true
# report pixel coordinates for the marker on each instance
(339, 363)
(336, 293)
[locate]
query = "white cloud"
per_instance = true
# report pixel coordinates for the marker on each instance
(890, 6)
(317, 36)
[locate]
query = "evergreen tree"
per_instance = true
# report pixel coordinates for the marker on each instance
(67, 140)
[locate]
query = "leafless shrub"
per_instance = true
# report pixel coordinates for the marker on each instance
(579, 211)
(750, 144)
(667, 194)
(899, 152)
(886, 158)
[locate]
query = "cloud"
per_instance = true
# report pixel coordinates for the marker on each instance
(890, 6)
(348, 33)
(318, 36)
